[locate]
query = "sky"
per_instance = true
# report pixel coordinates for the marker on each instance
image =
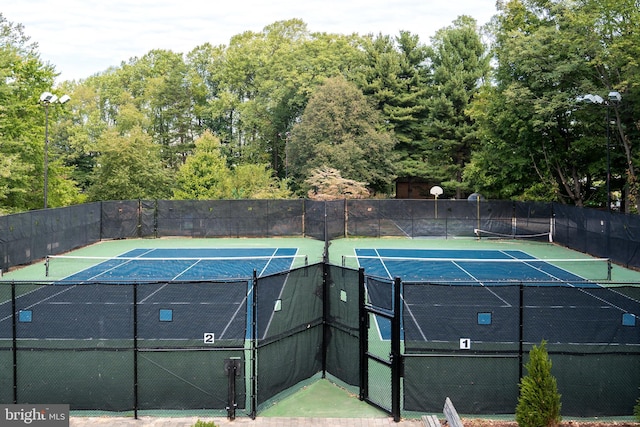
(84, 37)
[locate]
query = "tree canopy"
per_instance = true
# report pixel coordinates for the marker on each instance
(339, 129)
(493, 110)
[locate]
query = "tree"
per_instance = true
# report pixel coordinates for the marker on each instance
(341, 130)
(160, 88)
(539, 401)
(23, 77)
(395, 76)
(460, 66)
(129, 166)
(204, 174)
(264, 81)
(611, 30)
(250, 181)
(327, 184)
(548, 54)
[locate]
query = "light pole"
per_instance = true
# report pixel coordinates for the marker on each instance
(47, 98)
(612, 99)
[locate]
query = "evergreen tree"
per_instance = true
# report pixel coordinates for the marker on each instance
(395, 76)
(539, 401)
(205, 174)
(460, 66)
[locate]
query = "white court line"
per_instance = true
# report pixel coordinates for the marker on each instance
(383, 264)
(482, 284)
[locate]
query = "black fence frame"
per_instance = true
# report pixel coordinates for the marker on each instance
(30, 236)
(324, 330)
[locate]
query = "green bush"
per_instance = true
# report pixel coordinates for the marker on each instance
(539, 401)
(636, 410)
(200, 423)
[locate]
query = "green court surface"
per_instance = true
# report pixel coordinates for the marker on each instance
(113, 248)
(337, 249)
(540, 250)
(317, 397)
(321, 398)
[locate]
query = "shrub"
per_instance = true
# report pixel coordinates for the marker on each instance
(539, 401)
(636, 410)
(200, 423)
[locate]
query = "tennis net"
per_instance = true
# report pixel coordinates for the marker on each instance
(447, 270)
(86, 268)
(486, 234)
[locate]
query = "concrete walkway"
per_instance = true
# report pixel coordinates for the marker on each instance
(243, 422)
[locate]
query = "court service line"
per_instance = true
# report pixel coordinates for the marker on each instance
(383, 264)
(235, 314)
(153, 293)
(41, 301)
(481, 283)
(186, 269)
(275, 251)
(545, 262)
(584, 291)
(120, 265)
(415, 321)
(273, 311)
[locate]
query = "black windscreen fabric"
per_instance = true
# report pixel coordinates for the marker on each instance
(75, 342)
(120, 219)
(596, 381)
(148, 224)
(314, 219)
(229, 218)
(476, 385)
(181, 314)
(436, 313)
(380, 293)
(533, 218)
(29, 236)
(289, 302)
(566, 314)
(344, 333)
(464, 342)
(290, 328)
(187, 380)
(78, 342)
(6, 343)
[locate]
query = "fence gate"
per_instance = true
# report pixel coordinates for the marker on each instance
(380, 358)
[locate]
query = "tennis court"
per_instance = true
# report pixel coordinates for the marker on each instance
(175, 311)
(168, 308)
(478, 292)
(482, 266)
(174, 315)
(168, 264)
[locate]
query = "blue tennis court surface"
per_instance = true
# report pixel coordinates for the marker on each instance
(486, 307)
(215, 303)
(482, 266)
(163, 264)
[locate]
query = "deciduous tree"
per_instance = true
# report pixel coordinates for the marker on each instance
(341, 130)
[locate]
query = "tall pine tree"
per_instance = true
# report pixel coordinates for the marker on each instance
(460, 64)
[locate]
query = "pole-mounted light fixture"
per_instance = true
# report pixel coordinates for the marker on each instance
(46, 99)
(612, 99)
